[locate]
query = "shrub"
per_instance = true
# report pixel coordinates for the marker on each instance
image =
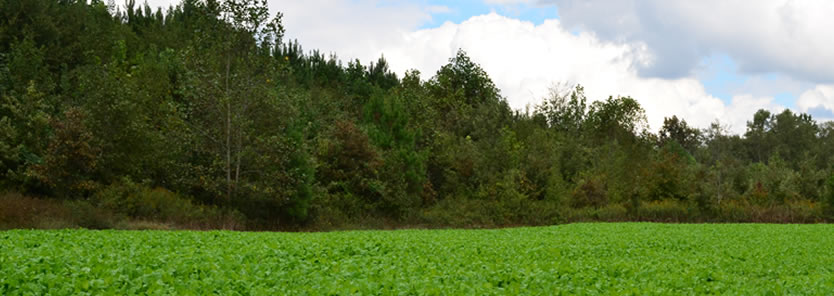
(87, 215)
(828, 199)
(18, 211)
(459, 212)
(666, 210)
(805, 211)
(142, 225)
(792, 211)
(71, 158)
(589, 193)
(733, 211)
(612, 213)
(544, 212)
(350, 165)
(140, 202)
(573, 215)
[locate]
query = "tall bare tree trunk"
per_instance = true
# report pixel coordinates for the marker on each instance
(228, 134)
(238, 152)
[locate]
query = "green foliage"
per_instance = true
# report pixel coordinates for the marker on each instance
(24, 129)
(667, 210)
(616, 119)
(772, 183)
(565, 111)
(349, 168)
(679, 132)
(786, 134)
(71, 159)
(463, 81)
(623, 258)
(139, 202)
(590, 192)
(206, 105)
(829, 197)
(87, 215)
(669, 174)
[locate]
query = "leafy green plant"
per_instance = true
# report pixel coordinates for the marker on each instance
(600, 258)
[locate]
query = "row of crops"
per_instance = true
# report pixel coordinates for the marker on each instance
(630, 258)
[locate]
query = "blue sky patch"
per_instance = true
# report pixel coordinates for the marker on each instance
(465, 9)
(820, 112)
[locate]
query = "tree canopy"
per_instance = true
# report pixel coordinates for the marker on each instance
(206, 104)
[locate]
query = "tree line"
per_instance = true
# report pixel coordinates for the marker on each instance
(202, 115)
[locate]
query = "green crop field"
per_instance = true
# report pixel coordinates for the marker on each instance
(617, 259)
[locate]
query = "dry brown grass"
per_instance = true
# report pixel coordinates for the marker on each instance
(18, 211)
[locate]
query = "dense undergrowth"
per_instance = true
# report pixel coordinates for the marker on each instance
(161, 210)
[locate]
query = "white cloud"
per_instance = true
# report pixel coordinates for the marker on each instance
(820, 97)
(351, 29)
(524, 59)
(742, 108)
(763, 36)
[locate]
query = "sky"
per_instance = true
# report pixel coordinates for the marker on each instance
(702, 61)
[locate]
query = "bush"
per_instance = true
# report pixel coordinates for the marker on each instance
(544, 212)
(612, 213)
(804, 211)
(792, 211)
(326, 212)
(18, 211)
(733, 211)
(87, 215)
(139, 202)
(667, 210)
(142, 225)
(573, 215)
(589, 193)
(828, 200)
(458, 212)
(71, 158)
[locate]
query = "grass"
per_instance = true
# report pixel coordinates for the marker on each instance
(595, 258)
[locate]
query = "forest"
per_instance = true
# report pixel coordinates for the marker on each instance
(203, 116)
